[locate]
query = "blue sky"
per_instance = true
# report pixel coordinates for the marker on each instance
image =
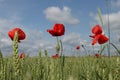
(35, 16)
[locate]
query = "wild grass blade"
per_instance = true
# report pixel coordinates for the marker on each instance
(115, 48)
(100, 15)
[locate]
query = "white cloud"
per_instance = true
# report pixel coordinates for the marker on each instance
(115, 4)
(64, 15)
(72, 39)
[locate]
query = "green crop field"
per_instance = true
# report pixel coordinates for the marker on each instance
(62, 68)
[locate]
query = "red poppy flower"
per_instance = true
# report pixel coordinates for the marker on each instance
(58, 30)
(97, 29)
(77, 47)
(55, 56)
(97, 55)
(98, 36)
(21, 55)
(21, 34)
(104, 55)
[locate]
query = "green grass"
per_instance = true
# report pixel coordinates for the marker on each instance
(67, 68)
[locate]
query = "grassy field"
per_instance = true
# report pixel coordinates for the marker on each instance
(62, 68)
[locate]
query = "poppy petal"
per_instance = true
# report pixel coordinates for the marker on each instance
(102, 39)
(21, 55)
(51, 32)
(78, 47)
(97, 55)
(10, 35)
(58, 30)
(96, 38)
(97, 29)
(55, 56)
(21, 34)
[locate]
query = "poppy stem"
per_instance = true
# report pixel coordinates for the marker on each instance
(93, 49)
(85, 49)
(100, 50)
(57, 40)
(61, 48)
(58, 46)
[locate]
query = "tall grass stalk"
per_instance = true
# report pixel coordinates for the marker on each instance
(118, 51)
(107, 5)
(100, 16)
(2, 67)
(16, 56)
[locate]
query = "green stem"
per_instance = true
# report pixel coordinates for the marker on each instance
(84, 49)
(102, 49)
(61, 48)
(93, 49)
(108, 27)
(58, 46)
(57, 40)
